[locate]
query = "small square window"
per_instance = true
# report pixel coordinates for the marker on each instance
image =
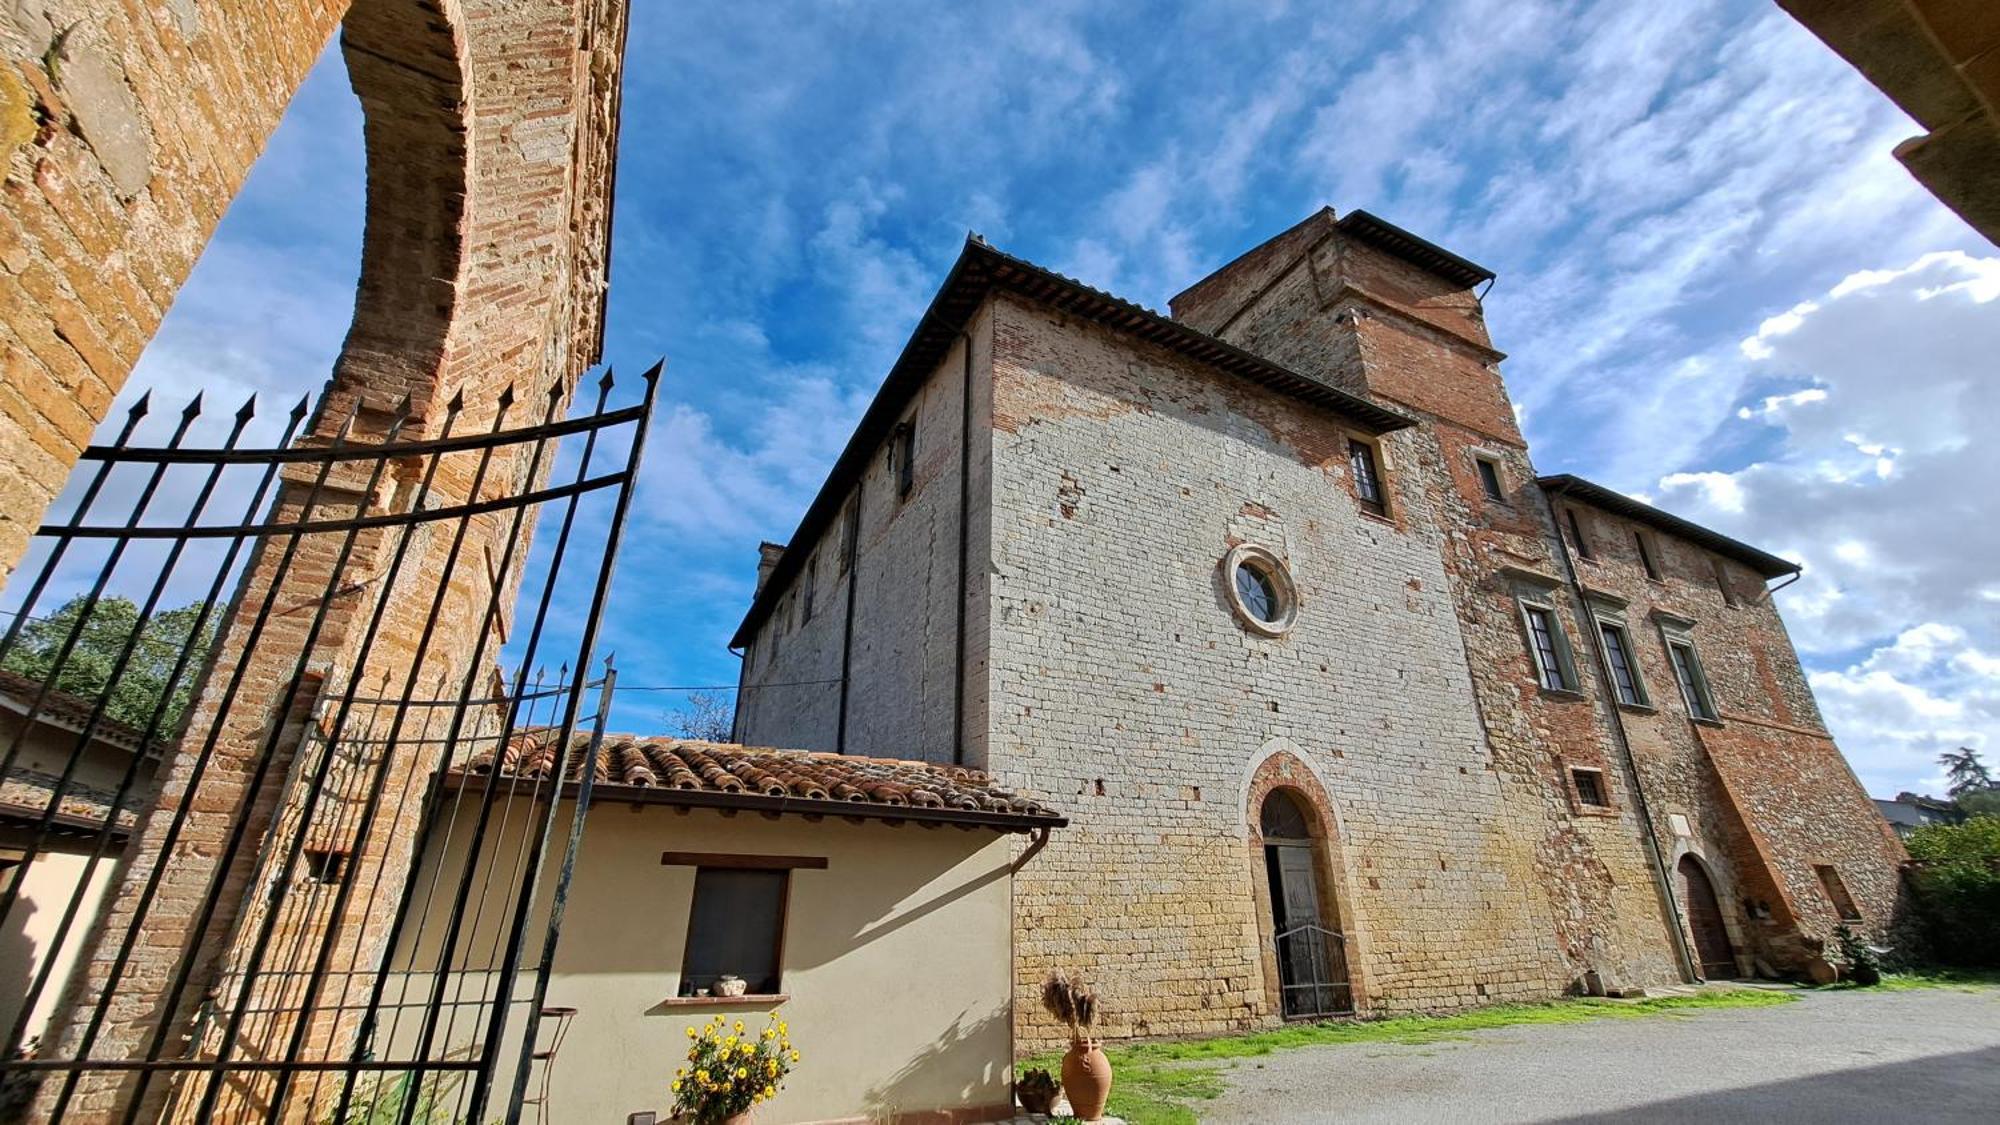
(1576, 537)
(1646, 555)
(1589, 788)
(1367, 477)
(735, 928)
(1836, 893)
(1554, 670)
(326, 865)
(903, 452)
(1693, 683)
(1489, 478)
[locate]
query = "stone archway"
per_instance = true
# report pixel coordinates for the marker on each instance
(1293, 837)
(1715, 944)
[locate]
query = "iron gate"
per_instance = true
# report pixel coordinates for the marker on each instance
(222, 825)
(1312, 972)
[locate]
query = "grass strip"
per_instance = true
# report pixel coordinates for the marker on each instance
(1161, 1083)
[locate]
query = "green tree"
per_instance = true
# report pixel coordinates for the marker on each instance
(142, 686)
(1957, 884)
(1965, 771)
(1980, 802)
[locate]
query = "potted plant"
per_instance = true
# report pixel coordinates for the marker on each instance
(1086, 1073)
(1037, 1091)
(729, 1073)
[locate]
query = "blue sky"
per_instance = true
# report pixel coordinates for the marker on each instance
(1717, 288)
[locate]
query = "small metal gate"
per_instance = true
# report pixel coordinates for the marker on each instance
(218, 820)
(1312, 972)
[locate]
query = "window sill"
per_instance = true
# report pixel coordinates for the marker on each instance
(1697, 720)
(750, 1000)
(1562, 695)
(1378, 517)
(1582, 809)
(1639, 708)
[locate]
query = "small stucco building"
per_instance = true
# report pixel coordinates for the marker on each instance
(48, 856)
(864, 901)
(1350, 708)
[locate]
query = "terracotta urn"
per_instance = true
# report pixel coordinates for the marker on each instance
(1086, 1078)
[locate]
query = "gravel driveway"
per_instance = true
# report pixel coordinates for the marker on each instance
(1929, 1055)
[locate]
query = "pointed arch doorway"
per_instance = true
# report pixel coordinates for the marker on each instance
(1712, 948)
(1312, 963)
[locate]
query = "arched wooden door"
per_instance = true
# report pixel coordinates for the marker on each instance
(1712, 951)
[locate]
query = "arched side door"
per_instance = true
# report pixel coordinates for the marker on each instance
(1717, 958)
(1312, 967)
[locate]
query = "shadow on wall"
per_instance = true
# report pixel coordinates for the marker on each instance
(1960, 1087)
(961, 1048)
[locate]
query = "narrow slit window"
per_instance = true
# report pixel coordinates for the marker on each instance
(735, 928)
(1624, 672)
(1693, 684)
(1367, 478)
(1576, 536)
(806, 599)
(1646, 555)
(1836, 893)
(1545, 643)
(905, 455)
(1489, 478)
(1589, 788)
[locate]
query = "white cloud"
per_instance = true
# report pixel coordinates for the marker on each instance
(1877, 483)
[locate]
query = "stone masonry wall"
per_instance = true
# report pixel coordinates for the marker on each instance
(1127, 693)
(1360, 318)
(905, 644)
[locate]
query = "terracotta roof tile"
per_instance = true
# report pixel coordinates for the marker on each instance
(680, 771)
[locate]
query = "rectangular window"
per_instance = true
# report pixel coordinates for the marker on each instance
(1694, 685)
(1547, 645)
(735, 928)
(1722, 583)
(1589, 788)
(812, 572)
(903, 451)
(1576, 538)
(1624, 672)
(1489, 478)
(1367, 480)
(1646, 555)
(1836, 893)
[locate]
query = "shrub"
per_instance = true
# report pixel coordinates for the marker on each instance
(1956, 880)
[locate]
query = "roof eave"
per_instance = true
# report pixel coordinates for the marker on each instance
(1763, 562)
(978, 270)
(794, 806)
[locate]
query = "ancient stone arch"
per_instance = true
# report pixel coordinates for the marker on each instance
(126, 130)
(490, 129)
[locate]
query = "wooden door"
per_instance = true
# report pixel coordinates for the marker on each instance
(1312, 974)
(1713, 953)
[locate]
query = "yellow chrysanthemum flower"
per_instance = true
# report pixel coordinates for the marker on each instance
(742, 1072)
(769, 1034)
(692, 1033)
(795, 1056)
(739, 1027)
(729, 1041)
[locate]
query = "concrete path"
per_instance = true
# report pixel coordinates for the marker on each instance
(1930, 1055)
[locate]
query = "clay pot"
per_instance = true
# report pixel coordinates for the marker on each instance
(1086, 1078)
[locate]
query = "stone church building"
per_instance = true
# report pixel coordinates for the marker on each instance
(1348, 708)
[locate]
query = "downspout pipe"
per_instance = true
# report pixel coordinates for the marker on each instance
(964, 551)
(1661, 881)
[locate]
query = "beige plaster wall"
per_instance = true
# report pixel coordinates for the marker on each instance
(896, 963)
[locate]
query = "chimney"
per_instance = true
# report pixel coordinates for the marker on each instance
(768, 554)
